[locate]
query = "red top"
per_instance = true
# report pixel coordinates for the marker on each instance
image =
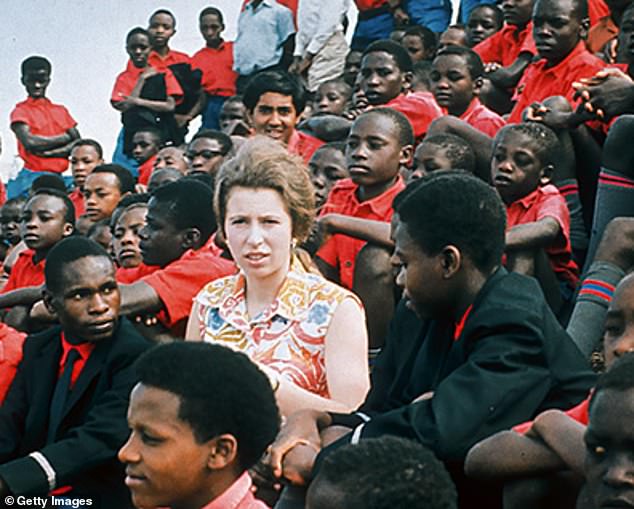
(605, 30)
(547, 202)
(216, 64)
(84, 350)
(341, 250)
(179, 282)
(419, 108)
(482, 118)
(303, 145)
(577, 413)
(77, 198)
(540, 82)
(597, 9)
(126, 80)
(133, 274)
(44, 119)
(146, 169)
(504, 47)
(366, 5)
(25, 272)
(11, 342)
(172, 57)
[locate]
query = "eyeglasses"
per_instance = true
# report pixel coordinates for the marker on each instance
(205, 154)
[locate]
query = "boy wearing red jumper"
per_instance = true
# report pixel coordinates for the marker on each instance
(45, 131)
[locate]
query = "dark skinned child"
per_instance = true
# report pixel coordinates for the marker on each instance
(85, 156)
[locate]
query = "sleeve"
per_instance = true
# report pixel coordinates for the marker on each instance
(419, 113)
(489, 49)
(11, 342)
(172, 85)
(119, 90)
(528, 46)
(554, 206)
(20, 114)
(328, 22)
(64, 118)
(328, 252)
(285, 25)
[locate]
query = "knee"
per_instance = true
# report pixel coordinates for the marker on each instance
(617, 243)
(372, 265)
(618, 154)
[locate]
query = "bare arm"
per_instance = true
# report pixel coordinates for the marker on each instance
(377, 232)
(38, 143)
(329, 272)
(135, 99)
(139, 298)
(538, 234)
(564, 436)
(64, 150)
(328, 127)
(508, 77)
(26, 296)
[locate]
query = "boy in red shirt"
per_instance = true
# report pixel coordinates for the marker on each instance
(11, 342)
(45, 131)
(215, 61)
(146, 144)
(104, 188)
(85, 156)
(456, 79)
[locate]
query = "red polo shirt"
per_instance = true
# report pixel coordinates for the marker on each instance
(419, 108)
(304, 145)
(603, 31)
(597, 9)
(84, 350)
(179, 282)
(126, 80)
(172, 57)
(44, 118)
(540, 82)
(547, 202)
(24, 272)
(77, 198)
(11, 342)
(146, 169)
(133, 274)
(504, 47)
(216, 64)
(482, 118)
(341, 250)
(577, 413)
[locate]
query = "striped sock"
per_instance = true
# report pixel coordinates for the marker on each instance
(569, 189)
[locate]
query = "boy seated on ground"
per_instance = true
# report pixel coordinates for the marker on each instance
(195, 460)
(104, 188)
(442, 152)
(85, 156)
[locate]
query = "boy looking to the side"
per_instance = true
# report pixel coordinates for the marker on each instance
(172, 157)
(85, 156)
(484, 21)
(207, 151)
(332, 97)
(146, 144)
(327, 166)
(104, 187)
(442, 152)
(45, 131)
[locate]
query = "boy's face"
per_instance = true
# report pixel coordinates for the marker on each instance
(36, 82)
(516, 169)
(10, 217)
(609, 464)
(211, 28)
(161, 242)
(204, 155)
(138, 48)
(452, 37)
(374, 154)
(102, 193)
(517, 12)
(352, 68)
(125, 237)
(144, 146)
(481, 25)
(618, 335)
(381, 78)
(233, 118)
(161, 30)
(83, 159)
(414, 45)
(43, 223)
(452, 85)
(87, 305)
(556, 29)
(429, 157)
(171, 157)
(330, 98)
(275, 116)
(326, 167)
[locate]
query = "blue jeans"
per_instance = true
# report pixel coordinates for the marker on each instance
(370, 30)
(211, 113)
(121, 159)
(434, 14)
(20, 185)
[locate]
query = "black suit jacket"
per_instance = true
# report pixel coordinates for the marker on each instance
(93, 428)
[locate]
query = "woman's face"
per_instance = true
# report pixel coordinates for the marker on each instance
(259, 232)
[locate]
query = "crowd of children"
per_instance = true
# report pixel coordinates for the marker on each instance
(447, 208)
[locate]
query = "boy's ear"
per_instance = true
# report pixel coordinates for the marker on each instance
(406, 156)
(408, 77)
(68, 230)
(47, 298)
(547, 175)
(191, 238)
(451, 261)
(223, 451)
(584, 27)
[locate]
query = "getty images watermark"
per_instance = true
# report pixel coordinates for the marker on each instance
(22, 501)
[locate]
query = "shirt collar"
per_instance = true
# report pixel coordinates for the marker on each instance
(263, 2)
(557, 69)
(83, 349)
(40, 101)
(382, 204)
(470, 109)
(529, 199)
(234, 495)
(515, 32)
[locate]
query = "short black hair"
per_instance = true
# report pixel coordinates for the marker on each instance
(48, 181)
(136, 31)
(67, 251)
(427, 37)
(203, 177)
(499, 15)
(155, 132)
(225, 141)
(220, 391)
(422, 68)
(102, 224)
(126, 202)
(88, 142)
(339, 146)
(546, 141)
(400, 121)
(163, 11)
(69, 208)
(211, 10)
(279, 82)
(456, 208)
(399, 53)
(620, 377)
(125, 178)
(470, 57)
(458, 150)
(341, 83)
(389, 473)
(35, 64)
(190, 204)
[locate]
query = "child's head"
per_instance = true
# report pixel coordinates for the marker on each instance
(382, 473)
(125, 233)
(442, 152)
(352, 66)
(211, 25)
(101, 234)
(420, 76)
(85, 156)
(420, 42)
(517, 12)
(451, 230)
(161, 27)
(171, 157)
(10, 217)
(138, 46)
(455, 35)
(180, 217)
(163, 176)
(327, 165)
(609, 438)
(484, 21)
(386, 71)
(625, 46)
(380, 142)
(47, 217)
(233, 117)
(207, 151)
(618, 335)
(524, 157)
(146, 143)
(103, 189)
(205, 430)
(274, 102)
(558, 26)
(332, 97)
(397, 34)
(48, 181)
(36, 76)
(456, 78)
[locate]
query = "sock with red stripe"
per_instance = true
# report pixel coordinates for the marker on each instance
(586, 323)
(569, 189)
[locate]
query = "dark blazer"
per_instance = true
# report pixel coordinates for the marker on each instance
(94, 426)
